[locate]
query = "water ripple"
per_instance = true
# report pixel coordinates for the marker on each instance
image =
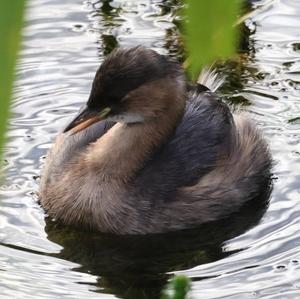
(63, 44)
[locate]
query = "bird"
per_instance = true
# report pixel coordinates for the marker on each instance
(152, 153)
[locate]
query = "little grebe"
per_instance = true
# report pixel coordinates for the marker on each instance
(148, 154)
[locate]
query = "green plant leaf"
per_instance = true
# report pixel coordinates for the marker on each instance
(209, 31)
(179, 286)
(295, 120)
(11, 19)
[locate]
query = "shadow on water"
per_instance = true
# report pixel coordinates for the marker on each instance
(139, 266)
(110, 17)
(107, 41)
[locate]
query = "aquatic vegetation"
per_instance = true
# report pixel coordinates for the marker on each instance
(177, 288)
(11, 15)
(210, 33)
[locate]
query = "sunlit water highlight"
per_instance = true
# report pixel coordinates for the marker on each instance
(256, 256)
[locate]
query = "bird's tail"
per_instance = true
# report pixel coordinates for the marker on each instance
(239, 177)
(211, 79)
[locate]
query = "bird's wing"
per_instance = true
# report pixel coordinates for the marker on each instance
(196, 147)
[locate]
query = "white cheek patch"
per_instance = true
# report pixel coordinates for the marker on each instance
(128, 118)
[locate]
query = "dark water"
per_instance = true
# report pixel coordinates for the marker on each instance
(255, 254)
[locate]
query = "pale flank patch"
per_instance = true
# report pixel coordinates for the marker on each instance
(128, 118)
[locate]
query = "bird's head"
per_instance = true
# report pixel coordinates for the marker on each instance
(131, 86)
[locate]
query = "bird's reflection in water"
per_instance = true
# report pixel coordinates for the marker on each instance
(138, 267)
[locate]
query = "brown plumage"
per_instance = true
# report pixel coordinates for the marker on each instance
(149, 155)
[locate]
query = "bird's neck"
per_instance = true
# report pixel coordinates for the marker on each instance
(125, 148)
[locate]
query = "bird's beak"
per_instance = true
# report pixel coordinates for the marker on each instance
(86, 118)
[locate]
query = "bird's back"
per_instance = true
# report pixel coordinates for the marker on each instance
(210, 166)
(198, 144)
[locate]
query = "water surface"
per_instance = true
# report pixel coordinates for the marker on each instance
(255, 254)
